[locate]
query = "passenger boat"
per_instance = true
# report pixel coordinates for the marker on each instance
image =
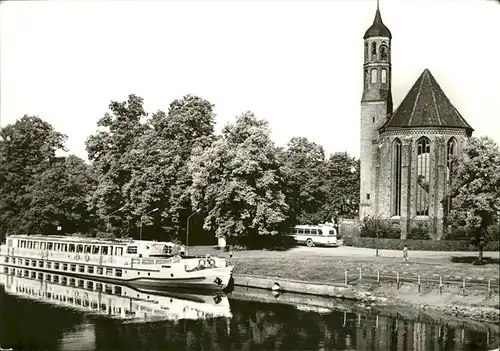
(111, 300)
(136, 262)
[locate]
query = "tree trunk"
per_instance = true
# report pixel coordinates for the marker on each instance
(480, 256)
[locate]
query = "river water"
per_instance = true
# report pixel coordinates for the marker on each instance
(55, 312)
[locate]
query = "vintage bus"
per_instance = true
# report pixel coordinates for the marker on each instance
(315, 235)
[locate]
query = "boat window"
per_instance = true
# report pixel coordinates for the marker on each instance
(30, 244)
(64, 247)
(57, 246)
(109, 271)
(56, 265)
(111, 250)
(99, 270)
(118, 272)
(36, 246)
(79, 248)
(72, 268)
(50, 246)
(65, 266)
(331, 232)
(90, 270)
(104, 250)
(95, 249)
(71, 248)
(43, 245)
(118, 251)
(131, 249)
(88, 249)
(82, 269)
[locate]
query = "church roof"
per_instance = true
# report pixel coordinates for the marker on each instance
(378, 28)
(426, 105)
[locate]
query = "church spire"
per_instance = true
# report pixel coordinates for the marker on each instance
(378, 28)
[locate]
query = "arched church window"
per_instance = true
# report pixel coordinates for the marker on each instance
(423, 176)
(383, 75)
(374, 49)
(451, 153)
(383, 52)
(374, 75)
(397, 152)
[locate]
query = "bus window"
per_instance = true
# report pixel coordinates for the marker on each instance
(307, 231)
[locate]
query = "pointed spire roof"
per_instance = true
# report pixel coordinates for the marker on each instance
(378, 28)
(426, 105)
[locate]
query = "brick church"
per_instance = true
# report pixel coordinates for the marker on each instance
(405, 154)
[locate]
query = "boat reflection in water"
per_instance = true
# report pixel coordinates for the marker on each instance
(112, 300)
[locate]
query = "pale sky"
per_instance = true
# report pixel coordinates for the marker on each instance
(297, 64)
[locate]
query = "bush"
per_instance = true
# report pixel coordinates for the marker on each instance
(494, 232)
(424, 245)
(270, 242)
(419, 232)
(455, 233)
(373, 227)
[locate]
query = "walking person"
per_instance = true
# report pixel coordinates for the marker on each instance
(405, 254)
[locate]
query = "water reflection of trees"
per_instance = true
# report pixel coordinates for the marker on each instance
(260, 326)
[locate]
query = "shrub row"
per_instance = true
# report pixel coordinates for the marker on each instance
(270, 242)
(425, 245)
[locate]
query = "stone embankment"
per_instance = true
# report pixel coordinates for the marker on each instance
(476, 307)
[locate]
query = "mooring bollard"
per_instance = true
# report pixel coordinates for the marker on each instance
(440, 284)
(345, 277)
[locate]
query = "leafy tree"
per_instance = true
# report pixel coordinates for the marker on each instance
(111, 151)
(162, 179)
(343, 192)
(475, 191)
(306, 181)
(27, 148)
(59, 197)
(238, 181)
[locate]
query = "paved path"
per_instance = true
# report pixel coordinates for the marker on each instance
(343, 252)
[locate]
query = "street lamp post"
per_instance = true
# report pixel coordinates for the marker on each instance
(140, 230)
(107, 225)
(187, 229)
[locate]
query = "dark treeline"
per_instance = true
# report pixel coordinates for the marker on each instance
(158, 169)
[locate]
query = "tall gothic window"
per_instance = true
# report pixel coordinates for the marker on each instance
(451, 152)
(383, 75)
(396, 161)
(374, 49)
(423, 176)
(374, 75)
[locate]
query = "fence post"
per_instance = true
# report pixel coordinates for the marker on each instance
(418, 281)
(378, 276)
(441, 284)
(463, 286)
(360, 274)
(489, 287)
(397, 279)
(345, 277)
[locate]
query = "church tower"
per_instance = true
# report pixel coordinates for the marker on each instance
(376, 107)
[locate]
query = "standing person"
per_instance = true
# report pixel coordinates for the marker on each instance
(183, 250)
(405, 254)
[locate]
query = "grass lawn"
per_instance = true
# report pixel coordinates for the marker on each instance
(328, 265)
